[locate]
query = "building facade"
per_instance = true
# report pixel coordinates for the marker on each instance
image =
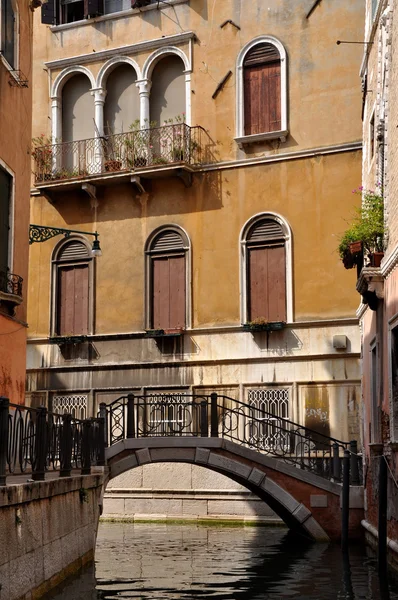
(16, 21)
(214, 147)
(379, 316)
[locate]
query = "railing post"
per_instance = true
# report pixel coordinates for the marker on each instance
(130, 416)
(203, 419)
(213, 415)
(66, 446)
(354, 463)
(86, 447)
(345, 504)
(336, 462)
(101, 442)
(102, 412)
(4, 408)
(39, 463)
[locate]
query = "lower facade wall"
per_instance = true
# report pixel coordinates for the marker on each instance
(47, 531)
(181, 491)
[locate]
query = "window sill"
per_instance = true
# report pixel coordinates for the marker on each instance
(261, 137)
(131, 12)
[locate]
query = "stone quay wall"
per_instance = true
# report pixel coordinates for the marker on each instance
(48, 531)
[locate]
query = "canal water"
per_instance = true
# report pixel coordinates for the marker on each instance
(147, 561)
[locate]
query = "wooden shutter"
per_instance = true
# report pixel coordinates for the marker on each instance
(5, 190)
(267, 282)
(262, 90)
(168, 292)
(49, 13)
(73, 300)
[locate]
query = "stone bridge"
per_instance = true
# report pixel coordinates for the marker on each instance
(306, 502)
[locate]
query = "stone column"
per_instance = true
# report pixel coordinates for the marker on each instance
(99, 101)
(56, 133)
(144, 87)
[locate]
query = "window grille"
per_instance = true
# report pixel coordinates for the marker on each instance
(74, 405)
(168, 413)
(269, 432)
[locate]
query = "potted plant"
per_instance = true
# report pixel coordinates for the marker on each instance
(366, 233)
(262, 324)
(42, 152)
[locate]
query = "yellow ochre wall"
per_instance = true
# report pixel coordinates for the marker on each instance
(314, 193)
(15, 140)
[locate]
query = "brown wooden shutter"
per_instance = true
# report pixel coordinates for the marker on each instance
(168, 289)
(73, 300)
(266, 271)
(262, 90)
(267, 283)
(5, 190)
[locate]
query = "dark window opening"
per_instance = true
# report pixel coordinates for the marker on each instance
(8, 32)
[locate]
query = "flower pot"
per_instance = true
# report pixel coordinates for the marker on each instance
(376, 258)
(348, 260)
(355, 247)
(113, 165)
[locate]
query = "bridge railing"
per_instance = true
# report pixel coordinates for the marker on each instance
(35, 441)
(214, 415)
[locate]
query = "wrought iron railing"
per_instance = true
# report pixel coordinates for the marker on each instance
(10, 283)
(159, 146)
(34, 440)
(220, 416)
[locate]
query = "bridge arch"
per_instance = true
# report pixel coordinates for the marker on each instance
(240, 464)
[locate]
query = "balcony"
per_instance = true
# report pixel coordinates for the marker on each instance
(172, 150)
(10, 291)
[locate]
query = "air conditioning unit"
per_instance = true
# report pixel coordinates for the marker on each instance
(139, 3)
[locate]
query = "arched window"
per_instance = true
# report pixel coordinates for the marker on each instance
(168, 279)
(9, 32)
(167, 100)
(266, 270)
(122, 104)
(72, 279)
(261, 91)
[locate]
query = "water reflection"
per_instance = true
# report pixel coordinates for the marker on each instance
(190, 562)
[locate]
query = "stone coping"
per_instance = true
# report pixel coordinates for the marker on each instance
(11, 495)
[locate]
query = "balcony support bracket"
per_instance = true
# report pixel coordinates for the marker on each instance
(185, 177)
(136, 180)
(90, 189)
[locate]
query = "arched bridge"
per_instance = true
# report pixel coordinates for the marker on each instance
(295, 470)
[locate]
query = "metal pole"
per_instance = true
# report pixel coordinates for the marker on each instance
(213, 415)
(382, 524)
(39, 463)
(86, 447)
(336, 462)
(4, 407)
(203, 419)
(101, 442)
(102, 411)
(130, 416)
(345, 508)
(66, 446)
(354, 463)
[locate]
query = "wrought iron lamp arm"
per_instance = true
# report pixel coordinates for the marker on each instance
(39, 233)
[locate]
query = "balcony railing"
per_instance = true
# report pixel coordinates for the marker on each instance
(10, 283)
(136, 150)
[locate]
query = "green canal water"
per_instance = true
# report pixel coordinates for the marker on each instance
(148, 561)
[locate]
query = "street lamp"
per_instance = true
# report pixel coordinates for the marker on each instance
(39, 233)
